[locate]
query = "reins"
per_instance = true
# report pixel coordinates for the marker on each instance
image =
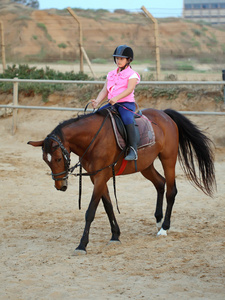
(79, 164)
(80, 174)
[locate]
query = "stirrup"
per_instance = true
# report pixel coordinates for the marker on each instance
(132, 155)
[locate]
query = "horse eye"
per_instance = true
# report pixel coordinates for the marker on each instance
(58, 159)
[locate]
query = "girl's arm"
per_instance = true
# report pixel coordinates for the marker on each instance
(101, 96)
(131, 86)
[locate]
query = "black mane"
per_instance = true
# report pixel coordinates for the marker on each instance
(58, 129)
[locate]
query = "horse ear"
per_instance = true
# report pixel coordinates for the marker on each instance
(36, 144)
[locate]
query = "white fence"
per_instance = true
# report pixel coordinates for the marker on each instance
(15, 106)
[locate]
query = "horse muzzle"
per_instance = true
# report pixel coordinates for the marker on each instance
(61, 185)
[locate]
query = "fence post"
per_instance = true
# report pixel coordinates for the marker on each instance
(2, 45)
(156, 35)
(80, 38)
(15, 102)
(223, 77)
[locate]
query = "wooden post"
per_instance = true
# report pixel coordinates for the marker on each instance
(2, 45)
(15, 102)
(156, 40)
(80, 38)
(88, 62)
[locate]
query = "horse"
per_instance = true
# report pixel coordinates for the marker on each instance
(91, 137)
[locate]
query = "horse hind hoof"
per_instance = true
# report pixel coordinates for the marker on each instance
(78, 252)
(114, 242)
(162, 232)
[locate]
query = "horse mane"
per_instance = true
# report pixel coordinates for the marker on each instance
(58, 129)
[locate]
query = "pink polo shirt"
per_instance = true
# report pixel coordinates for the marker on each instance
(118, 82)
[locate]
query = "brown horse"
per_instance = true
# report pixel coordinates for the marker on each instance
(91, 137)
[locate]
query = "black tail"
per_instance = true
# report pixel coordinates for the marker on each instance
(195, 146)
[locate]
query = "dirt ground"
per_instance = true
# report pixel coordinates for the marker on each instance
(40, 228)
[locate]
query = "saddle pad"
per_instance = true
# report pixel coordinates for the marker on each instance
(147, 135)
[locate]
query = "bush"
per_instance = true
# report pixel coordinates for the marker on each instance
(45, 89)
(184, 67)
(62, 45)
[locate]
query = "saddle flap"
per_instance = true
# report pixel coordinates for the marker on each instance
(144, 126)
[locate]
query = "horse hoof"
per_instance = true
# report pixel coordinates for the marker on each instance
(78, 252)
(114, 242)
(162, 232)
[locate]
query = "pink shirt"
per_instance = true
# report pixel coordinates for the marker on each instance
(118, 82)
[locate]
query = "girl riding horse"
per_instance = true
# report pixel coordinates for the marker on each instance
(119, 88)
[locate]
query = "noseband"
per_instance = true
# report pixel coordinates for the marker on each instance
(66, 157)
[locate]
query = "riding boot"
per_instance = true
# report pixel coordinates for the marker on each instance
(132, 142)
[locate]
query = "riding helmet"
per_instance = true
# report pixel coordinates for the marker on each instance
(123, 51)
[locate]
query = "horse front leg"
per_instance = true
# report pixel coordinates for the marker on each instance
(110, 213)
(89, 217)
(99, 184)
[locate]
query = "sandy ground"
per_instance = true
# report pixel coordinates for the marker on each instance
(40, 228)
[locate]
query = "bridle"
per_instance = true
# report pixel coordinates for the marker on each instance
(66, 157)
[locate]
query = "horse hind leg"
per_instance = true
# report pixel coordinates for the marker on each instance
(171, 192)
(159, 182)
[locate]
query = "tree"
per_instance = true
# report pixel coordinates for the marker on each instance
(30, 3)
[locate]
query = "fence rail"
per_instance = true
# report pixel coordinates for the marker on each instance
(15, 106)
(102, 82)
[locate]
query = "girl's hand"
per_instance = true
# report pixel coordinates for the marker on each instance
(113, 100)
(94, 103)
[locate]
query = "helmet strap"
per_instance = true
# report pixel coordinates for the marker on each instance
(127, 64)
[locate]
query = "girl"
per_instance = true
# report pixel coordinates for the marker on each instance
(119, 88)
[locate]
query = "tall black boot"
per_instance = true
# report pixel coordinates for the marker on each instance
(132, 141)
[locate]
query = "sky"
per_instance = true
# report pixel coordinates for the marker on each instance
(158, 8)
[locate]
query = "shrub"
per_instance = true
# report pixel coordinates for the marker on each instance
(62, 45)
(45, 89)
(43, 27)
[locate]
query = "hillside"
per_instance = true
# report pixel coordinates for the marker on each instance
(52, 35)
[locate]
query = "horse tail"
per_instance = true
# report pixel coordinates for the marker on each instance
(194, 146)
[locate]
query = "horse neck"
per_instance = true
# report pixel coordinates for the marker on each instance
(78, 135)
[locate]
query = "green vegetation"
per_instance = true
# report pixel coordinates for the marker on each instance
(43, 27)
(223, 48)
(197, 32)
(219, 99)
(62, 45)
(110, 38)
(184, 66)
(45, 89)
(99, 61)
(195, 43)
(184, 33)
(212, 40)
(19, 18)
(169, 93)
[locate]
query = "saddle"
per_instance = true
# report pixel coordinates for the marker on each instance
(144, 129)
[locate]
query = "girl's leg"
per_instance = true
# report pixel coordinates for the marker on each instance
(126, 111)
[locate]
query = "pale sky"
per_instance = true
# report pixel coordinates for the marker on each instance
(158, 8)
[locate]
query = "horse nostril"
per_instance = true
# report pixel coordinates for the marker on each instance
(63, 188)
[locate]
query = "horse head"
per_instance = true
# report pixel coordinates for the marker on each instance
(57, 157)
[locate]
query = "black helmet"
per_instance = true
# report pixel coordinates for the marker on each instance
(123, 51)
